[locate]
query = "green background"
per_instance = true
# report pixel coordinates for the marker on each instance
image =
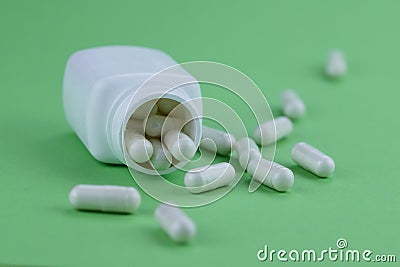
(279, 44)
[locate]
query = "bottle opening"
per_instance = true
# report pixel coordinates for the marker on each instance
(159, 135)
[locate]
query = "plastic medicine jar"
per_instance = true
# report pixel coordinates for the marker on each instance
(104, 86)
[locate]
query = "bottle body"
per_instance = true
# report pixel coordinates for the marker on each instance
(104, 86)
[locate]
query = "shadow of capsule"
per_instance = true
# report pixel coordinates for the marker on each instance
(302, 173)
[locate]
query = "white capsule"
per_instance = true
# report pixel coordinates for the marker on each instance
(247, 150)
(175, 223)
(224, 142)
(161, 159)
(336, 65)
(293, 106)
(165, 105)
(139, 148)
(265, 133)
(157, 124)
(145, 110)
(105, 198)
(154, 125)
(271, 174)
(179, 145)
(313, 160)
(210, 177)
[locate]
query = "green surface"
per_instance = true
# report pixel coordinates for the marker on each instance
(278, 44)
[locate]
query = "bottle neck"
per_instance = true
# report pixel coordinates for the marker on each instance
(115, 125)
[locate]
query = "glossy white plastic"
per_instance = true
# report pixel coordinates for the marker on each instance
(179, 227)
(105, 198)
(104, 86)
(208, 178)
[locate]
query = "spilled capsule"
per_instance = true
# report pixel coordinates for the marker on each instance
(313, 160)
(210, 177)
(105, 198)
(271, 174)
(293, 106)
(247, 150)
(224, 142)
(266, 133)
(336, 66)
(179, 227)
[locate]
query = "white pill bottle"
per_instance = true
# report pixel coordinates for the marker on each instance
(104, 86)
